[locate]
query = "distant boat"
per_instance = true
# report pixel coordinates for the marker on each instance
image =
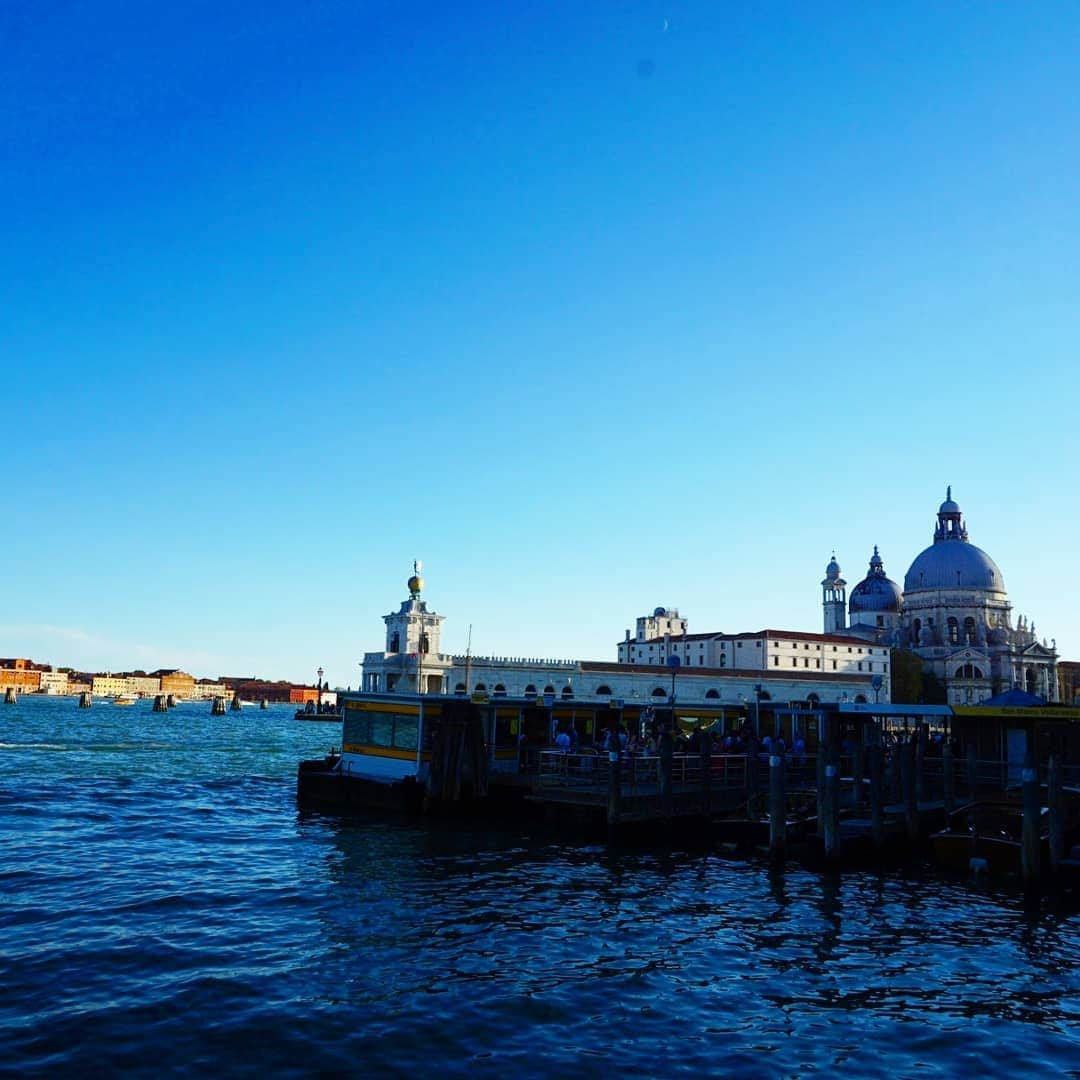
(125, 699)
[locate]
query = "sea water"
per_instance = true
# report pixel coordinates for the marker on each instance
(166, 909)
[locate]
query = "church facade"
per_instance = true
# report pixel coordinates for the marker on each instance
(953, 613)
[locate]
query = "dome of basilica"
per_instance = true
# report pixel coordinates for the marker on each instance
(958, 565)
(952, 562)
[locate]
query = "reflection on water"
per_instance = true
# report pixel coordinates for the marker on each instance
(174, 896)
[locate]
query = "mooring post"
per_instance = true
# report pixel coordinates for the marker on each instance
(10, 697)
(858, 768)
(777, 806)
(1030, 847)
(614, 802)
(972, 769)
(1054, 800)
(705, 748)
(948, 778)
(907, 785)
(161, 703)
(666, 750)
(820, 762)
(877, 794)
(921, 741)
(832, 800)
(85, 700)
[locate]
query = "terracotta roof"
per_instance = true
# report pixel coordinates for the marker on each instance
(785, 635)
(758, 674)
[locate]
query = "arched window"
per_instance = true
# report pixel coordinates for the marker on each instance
(954, 631)
(499, 689)
(603, 691)
(969, 630)
(395, 642)
(860, 699)
(812, 699)
(968, 671)
(723, 659)
(916, 629)
(659, 692)
(549, 689)
(480, 688)
(530, 689)
(712, 693)
(567, 691)
(460, 688)
(1029, 678)
(765, 696)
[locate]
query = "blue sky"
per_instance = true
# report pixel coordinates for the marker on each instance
(591, 307)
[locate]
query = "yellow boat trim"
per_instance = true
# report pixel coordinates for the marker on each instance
(384, 752)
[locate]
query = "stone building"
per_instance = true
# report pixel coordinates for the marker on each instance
(954, 614)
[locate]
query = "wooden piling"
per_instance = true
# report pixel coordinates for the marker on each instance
(921, 744)
(10, 697)
(877, 794)
(170, 701)
(831, 816)
(218, 707)
(705, 749)
(236, 704)
(264, 704)
(161, 703)
(1030, 843)
(1054, 801)
(907, 785)
(777, 806)
(614, 803)
(85, 700)
(666, 751)
(858, 768)
(948, 778)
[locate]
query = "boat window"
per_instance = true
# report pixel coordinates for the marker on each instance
(712, 693)
(499, 689)
(460, 688)
(405, 731)
(530, 689)
(659, 692)
(602, 690)
(567, 691)
(382, 729)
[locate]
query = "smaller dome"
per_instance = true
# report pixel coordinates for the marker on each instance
(657, 612)
(876, 592)
(833, 569)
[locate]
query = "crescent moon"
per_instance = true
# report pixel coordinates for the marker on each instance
(664, 30)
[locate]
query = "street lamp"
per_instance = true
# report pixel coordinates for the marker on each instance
(320, 674)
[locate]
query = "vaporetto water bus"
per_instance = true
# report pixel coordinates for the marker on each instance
(406, 750)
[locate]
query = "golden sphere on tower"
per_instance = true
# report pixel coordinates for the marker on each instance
(416, 584)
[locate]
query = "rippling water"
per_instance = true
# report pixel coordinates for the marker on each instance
(166, 909)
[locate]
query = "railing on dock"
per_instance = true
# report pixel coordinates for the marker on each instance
(639, 773)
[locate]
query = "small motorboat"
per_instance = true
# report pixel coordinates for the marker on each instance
(986, 835)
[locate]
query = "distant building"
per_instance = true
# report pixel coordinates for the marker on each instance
(20, 675)
(178, 683)
(1069, 682)
(55, 682)
(109, 685)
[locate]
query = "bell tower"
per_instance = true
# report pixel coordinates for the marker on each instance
(834, 599)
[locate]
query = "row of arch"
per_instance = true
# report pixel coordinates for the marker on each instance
(499, 690)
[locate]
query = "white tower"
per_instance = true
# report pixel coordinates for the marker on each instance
(834, 599)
